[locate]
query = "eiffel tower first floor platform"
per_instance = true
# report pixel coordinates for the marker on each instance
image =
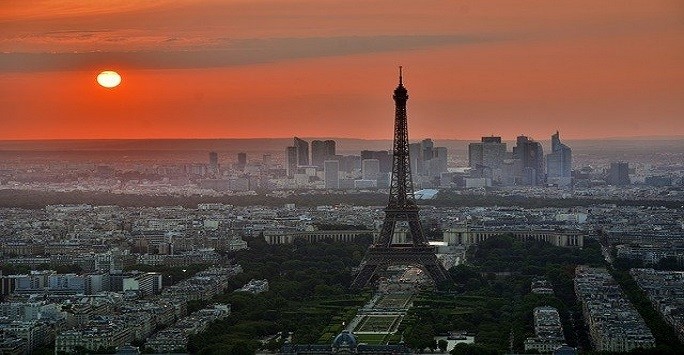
(379, 258)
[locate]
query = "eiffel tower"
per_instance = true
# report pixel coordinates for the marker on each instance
(401, 214)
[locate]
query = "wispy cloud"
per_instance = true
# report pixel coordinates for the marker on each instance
(235, 52)
(105, 40)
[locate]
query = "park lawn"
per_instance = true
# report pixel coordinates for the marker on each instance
(373, 339)
(376, 324)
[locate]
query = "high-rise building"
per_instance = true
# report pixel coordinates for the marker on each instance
(416, 163)
(213, 163)
(331, 171)
(318, 153)
(487, 157)
(559, 162)
(291, 161)
(475, 155)
(438, 163)
(321, 150)
(426, 159)
(383, 157)
(370, 169)
(531, 156)
(490, 152)
(241, 161)
(618, 174)
(302, 151)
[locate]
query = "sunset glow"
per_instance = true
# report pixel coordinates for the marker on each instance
(222, 69)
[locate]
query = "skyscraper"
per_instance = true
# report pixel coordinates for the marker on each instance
(383, 157)
(291, 161)
(618, 174)
(331, 170)
(531, 156)
(302, 147)
(438, 163)
(213, 163)
(330, 147)
(426, 159)
(487, 157)
(370, 169)
(241, 161)
(559, 162)
(321, 150)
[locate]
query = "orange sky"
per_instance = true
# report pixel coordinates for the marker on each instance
(273, 68)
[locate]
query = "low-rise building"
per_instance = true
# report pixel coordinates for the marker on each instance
(614, 324)
(665, 289)
(548, 331)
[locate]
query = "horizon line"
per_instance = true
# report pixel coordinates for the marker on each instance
(646, 137)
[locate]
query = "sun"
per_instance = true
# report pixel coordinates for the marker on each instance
(109, 79)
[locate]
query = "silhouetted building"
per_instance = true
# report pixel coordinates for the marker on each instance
(241, 161)
(370, 169)
(331, 170)
(487, 157)
(426, 159)
(559, 162)
(213, 163)
(438, 163)
(384, 159)
(531, 157)
(618, 174)
(321, 150)
(291, 161)
(302, 151)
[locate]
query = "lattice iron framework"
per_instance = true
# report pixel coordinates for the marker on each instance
(401, 209)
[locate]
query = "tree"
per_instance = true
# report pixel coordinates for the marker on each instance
(442, 345)
(421, 336)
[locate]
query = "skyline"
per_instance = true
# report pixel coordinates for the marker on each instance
(240, 69)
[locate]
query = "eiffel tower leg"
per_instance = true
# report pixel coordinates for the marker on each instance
(416, 232)
(387, 232)
(437, 271)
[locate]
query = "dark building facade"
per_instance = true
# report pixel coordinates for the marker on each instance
(213, 163)
(241, 161)
(322, 150)
(531, 157)
(618, 174)
(559, 162)
(302, 147)
(291, 160)
(382, 156)
(487, 157)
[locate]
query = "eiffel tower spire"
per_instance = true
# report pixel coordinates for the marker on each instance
(401, 209)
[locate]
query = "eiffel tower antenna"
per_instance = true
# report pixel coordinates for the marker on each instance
(401, 208)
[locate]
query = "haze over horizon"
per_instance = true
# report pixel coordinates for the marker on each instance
(272, 69)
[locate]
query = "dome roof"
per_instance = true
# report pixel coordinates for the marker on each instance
(345, 340)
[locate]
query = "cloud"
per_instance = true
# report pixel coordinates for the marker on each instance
(105, 40)
(235, 52)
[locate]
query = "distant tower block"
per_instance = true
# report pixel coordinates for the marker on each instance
(213, 163)
(401, 214)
